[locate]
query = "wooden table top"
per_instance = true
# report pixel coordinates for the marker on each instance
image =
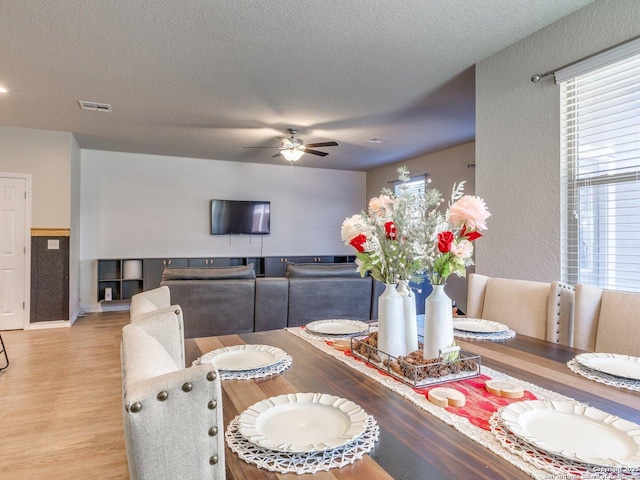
(413, 443)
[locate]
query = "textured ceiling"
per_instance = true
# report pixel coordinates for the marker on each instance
(205, 78)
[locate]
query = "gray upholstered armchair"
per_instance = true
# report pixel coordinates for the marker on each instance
(172, 415)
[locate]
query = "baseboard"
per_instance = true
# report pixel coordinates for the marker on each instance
(51, 324)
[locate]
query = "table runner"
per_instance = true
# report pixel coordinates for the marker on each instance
(472, 429)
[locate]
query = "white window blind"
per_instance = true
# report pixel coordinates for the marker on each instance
(413, 186)
(600, 124)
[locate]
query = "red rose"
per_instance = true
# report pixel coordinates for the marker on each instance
(358, 242)
(445, 239)
(391, 230)
(471, 236)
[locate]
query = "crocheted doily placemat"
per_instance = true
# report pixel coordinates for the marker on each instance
(300, 463)
(611, 380)
(274, 369)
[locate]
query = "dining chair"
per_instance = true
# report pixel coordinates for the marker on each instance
(172, 413)
(607, 320)
(537, 309)
(150, 300)
(3, 352)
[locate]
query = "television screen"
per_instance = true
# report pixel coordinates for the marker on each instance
(240, 217)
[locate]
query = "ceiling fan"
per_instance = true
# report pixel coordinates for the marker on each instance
(293, 148)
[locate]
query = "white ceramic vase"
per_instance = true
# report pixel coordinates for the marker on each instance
(438, 322)
(391, 332)
(410, 322)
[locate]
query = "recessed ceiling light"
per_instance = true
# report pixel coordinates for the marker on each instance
(377, 140)
(3, 90)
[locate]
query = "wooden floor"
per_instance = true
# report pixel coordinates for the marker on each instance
(60, 402)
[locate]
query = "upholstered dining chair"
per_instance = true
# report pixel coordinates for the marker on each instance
(172, 415)
(150, 300)
(607, 320)
(537, 309)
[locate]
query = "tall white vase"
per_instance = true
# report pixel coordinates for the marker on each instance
(391, 332)
(438, 322)
(410, 322)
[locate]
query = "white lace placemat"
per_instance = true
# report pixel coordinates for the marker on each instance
(300, 463)
(484, 437)
(611, 380)
(506, 335)
(274, 369)
(558, 466)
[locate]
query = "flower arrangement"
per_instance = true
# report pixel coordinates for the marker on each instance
(385, 235)
(404, 235)
(456, 231)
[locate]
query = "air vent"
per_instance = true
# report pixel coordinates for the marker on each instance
(377, 140)
(94, 106)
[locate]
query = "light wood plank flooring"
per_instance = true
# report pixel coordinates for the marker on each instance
(60, 402)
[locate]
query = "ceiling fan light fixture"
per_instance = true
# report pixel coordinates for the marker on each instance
(292, 154)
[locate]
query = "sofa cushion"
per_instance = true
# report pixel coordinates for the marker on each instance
(144, 355)
(209, 273)
(315, 270)
(325, 298)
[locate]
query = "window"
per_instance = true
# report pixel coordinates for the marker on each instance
(601, 171)
(414, 185)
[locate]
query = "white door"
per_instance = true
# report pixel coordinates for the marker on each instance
(13, 208)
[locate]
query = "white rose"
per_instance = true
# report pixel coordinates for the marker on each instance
(351, 228)
(463, 249)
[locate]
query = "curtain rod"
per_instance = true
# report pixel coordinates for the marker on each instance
(536, 77)
(413, 177)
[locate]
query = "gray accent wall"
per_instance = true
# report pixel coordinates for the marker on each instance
(518, 138)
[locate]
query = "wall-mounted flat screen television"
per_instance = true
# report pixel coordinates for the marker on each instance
(240, 217)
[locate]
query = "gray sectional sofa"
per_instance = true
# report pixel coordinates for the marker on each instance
(227, 300)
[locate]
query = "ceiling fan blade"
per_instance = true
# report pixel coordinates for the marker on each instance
(322, 144)
(276, 155)
(261, 147)
(315, 152)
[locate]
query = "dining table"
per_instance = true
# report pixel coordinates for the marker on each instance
(413, 443)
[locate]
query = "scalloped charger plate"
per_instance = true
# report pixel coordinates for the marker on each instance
(302, 422)
(239, 358)
(624, 366)
(575, 432)
(337, 327)
(478, 325)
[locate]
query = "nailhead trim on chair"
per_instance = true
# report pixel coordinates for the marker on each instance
(187, 387)
(213, 460)
(163, 395)
(135, 407)
(212, 404)
(213, 431)
(211, 376)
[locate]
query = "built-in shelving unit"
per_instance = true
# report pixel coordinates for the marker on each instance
(122, 277)
(126, 277)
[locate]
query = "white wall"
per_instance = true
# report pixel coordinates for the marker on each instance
(45, 155)
(74, 237)
(518, 138)
(136, 205)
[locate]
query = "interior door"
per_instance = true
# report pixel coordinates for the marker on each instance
(13, 258)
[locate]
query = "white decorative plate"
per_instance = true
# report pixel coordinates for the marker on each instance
(478, 325)
(623, 366)
(243, 357)
(302, 422)
(337, 327)
(575, 432)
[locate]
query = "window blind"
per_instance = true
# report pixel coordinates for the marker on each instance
(600, 143)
